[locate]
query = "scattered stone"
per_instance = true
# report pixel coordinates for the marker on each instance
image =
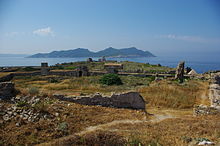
(205, 110)
(18, 124)
(206, 142)
(57, 114)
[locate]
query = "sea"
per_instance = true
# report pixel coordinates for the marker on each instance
(200, 63)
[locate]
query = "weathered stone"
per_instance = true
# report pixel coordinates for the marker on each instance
(44, 69)
(180, 71)
(113, 67)
(82, 71)
(132, 100)
(7, 90)
(214, 91)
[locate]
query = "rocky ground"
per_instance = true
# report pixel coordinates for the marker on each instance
(45, 120)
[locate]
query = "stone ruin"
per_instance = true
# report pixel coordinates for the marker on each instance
(214, 96)
(82, 71)
(131, 100)
(7, 90)
(214, 91)
(113, 67)
(180, 71)
(45, 70)
(103, 59)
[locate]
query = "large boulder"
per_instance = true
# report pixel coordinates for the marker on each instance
(7, 90)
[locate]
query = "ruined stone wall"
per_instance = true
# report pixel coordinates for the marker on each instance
(214, 89)
(64, 73)
(7, 90)
(6, 78)
(131, 100)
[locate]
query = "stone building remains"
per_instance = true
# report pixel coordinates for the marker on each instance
(44, 69)
(113, 67)
(180, 71)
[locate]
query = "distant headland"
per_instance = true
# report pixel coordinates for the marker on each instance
(108, 52)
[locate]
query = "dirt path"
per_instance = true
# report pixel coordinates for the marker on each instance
(155, 118)
(158, 115)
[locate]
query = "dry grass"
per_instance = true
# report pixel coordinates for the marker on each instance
(4, 74)
(170, 94)
(173, 131)
(78, 117)
(76, 86)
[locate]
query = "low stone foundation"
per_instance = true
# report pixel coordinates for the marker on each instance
(131, 100)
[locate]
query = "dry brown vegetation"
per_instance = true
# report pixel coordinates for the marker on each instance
(77, 118)
(165, 97)
(171, 94)
(182, 129)
(76, 86)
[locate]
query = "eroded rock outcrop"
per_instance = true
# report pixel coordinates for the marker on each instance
(7, 90)
(132, 100)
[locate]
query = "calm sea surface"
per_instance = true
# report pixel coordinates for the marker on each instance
(199, 63)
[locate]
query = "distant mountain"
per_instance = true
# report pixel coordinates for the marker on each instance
(108, 52)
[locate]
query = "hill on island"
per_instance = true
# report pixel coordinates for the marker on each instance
(108, 52)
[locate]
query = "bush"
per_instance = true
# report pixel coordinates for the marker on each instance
(110, 79)
(33, 91)
(53, 80)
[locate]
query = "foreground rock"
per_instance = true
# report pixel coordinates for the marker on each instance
(7, 90)
(131, 100)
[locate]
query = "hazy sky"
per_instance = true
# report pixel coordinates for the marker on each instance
(160, 26)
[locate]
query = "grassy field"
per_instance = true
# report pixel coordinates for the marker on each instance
(170, 121)
(127, 66)
(171, 94)
(166, 93)
(76, 86)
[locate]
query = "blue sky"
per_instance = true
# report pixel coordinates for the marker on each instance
(160, 26)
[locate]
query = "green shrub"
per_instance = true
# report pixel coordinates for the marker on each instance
(41, 107)
(29, 69)
(53, 80)
(33, 91)
(111, 79)
(63, 128)
(21, 103)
